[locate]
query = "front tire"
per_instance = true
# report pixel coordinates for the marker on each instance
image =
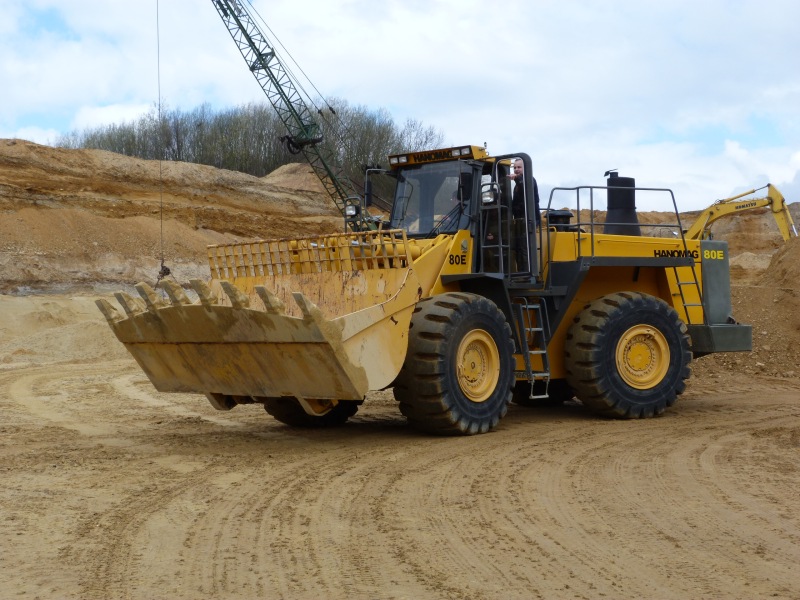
(288, 410)
(627, 356)
(459, 370)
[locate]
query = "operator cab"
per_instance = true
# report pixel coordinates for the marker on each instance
(463, 188)
(433, 198)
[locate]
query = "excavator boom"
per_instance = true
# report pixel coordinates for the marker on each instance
(701, 228)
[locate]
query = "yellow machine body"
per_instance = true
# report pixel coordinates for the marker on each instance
(449, 316)
(679, 286)
(327, 317)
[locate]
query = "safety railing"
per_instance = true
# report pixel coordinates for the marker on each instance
(592, 226)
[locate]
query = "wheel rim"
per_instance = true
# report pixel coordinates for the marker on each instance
(642, 357)
(478, 365)
(316, 408)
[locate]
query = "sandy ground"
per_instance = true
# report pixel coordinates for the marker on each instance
(113, 490)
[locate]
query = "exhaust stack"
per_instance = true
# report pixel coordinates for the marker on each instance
(621, 218)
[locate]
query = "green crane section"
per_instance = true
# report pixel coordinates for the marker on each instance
(304, 133)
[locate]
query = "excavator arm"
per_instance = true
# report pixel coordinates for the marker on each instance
(701, 228)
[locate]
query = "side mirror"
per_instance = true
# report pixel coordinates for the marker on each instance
(368, 193)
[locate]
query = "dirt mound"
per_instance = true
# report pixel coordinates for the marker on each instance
(72, 247)
(747, 267)
(772, 306)
(120, 185)
(89, 217)
(784, 268)
(295, 177)
(78, 218)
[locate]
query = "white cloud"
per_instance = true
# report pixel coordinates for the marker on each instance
(791, 189)
(88, 117)
(34, 134)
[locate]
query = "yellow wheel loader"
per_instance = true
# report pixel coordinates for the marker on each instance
(470, 297)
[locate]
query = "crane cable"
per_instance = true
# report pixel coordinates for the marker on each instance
(164, 270)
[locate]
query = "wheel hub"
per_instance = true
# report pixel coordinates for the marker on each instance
(642, 357)
(316, 408)
(477, 365)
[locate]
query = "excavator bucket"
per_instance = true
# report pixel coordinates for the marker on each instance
(312, 318)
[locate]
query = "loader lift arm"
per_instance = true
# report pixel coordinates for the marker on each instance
(701, 228)
(304, 133)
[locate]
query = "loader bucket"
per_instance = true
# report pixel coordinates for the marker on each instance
(311, 318)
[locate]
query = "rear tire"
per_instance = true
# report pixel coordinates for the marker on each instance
(627, 356)
(459, 370)
(287, 410)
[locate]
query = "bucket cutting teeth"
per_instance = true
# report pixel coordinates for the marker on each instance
(272, 303)
(109, 312)
(150, 297)
(238, 298)
(175, 292)
(307, 307)
(132, 306)
(204, 293)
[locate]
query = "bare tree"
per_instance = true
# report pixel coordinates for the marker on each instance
(247, 138)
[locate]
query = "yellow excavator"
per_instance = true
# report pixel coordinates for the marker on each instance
(468, 298)
(774, 200)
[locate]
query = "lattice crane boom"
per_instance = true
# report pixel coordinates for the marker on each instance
(304, 132)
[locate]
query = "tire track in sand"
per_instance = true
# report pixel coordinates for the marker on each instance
(553, 503)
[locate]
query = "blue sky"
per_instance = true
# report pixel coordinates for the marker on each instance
(701, 97)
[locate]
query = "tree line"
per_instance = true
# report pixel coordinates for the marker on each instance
(247, 138)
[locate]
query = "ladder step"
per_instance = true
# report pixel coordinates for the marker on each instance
(530, 313)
